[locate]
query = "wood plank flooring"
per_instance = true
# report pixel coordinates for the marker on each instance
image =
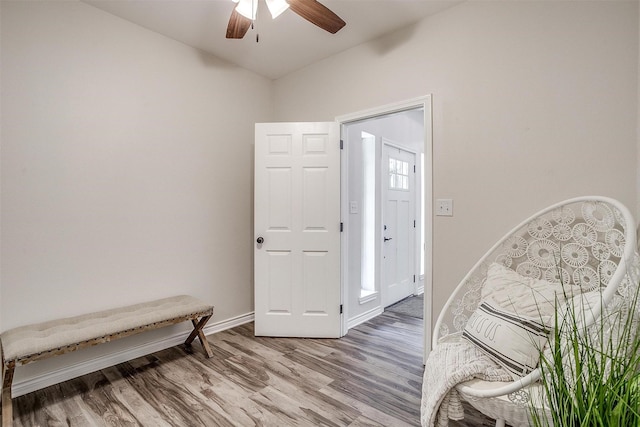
(371, 377)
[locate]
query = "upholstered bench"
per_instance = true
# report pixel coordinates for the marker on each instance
(30, 343)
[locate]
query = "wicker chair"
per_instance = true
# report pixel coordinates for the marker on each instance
(594, 239)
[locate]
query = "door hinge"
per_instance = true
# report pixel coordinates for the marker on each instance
(340, 308)
(341, 227)
(414, 278)
(341, 144)
(414, 223)
(414, 168)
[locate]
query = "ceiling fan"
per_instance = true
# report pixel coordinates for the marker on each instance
(244, 14)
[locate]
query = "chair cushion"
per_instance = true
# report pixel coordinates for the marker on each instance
(525, 296)
(513, 341)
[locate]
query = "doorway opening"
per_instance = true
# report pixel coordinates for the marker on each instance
(386, 210)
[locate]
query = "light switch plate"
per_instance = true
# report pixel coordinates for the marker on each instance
(353, 207)
(444, 207)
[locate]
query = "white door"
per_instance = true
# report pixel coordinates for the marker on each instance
(398, 218)
(297, 230)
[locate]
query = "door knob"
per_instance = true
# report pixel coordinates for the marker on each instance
(260, 240)
(388, 238)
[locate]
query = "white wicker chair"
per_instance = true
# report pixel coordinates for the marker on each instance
(595, 240)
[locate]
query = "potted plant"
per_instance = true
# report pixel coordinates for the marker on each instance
(591, 369)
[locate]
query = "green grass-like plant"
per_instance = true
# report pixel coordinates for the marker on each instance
(591, 375)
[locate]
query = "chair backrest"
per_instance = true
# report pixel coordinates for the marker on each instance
(587, 241)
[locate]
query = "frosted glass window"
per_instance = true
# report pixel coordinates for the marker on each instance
(368, 266)
(422, 242)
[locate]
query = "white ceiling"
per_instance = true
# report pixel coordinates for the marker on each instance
(287, 43)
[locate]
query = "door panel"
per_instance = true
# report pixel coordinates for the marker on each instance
(315, 265)
(280, 284)
(404, 252)
(399, 227)
(315, 216)
(279, 194)
(297, 213)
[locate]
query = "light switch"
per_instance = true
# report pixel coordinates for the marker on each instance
(353, 207)
(444, 207)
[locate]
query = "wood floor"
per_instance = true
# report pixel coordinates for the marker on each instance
(371, 377)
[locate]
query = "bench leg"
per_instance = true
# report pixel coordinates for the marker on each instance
(197, 332)
(7, 404)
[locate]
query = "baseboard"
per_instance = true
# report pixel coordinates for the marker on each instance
(72, 371)
(361, 318)
(223, 325)
(419, 291)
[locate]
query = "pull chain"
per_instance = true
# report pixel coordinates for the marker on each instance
(257, 34)
(254, 4)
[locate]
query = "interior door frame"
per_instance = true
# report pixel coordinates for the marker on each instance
(424, 102)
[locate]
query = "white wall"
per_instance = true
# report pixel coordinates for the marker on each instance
(638, 138)
(1, 133)
(533, 102)
(127, 164)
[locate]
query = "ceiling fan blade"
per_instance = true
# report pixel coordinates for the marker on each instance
(238, 25)
(317, 14)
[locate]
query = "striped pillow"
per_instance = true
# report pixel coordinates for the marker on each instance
(525, 295)
(512, 341)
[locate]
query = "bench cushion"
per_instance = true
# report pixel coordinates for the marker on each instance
(37, 338)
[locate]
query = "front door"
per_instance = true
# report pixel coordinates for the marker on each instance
(297, 230)
(398, 217)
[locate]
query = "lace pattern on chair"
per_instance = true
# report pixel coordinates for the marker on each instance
(578, 245)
